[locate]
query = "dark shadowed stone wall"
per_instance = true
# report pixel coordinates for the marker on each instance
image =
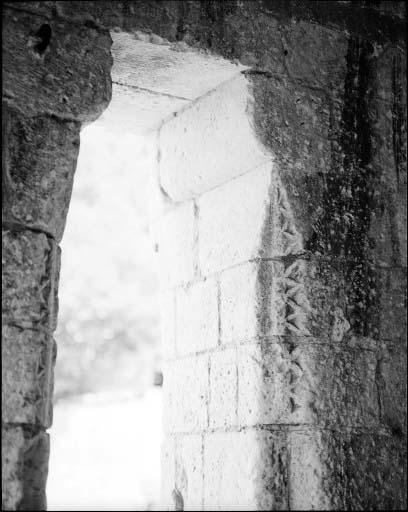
(329, 86)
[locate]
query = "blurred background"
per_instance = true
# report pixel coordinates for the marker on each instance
(106, 435)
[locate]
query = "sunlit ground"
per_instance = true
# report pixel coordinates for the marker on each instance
(106, 435)
(106, 455)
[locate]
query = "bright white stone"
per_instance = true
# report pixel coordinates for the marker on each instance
(232, 220)
(197, 317)
(209, 142)
(185, 387)
(223, 389)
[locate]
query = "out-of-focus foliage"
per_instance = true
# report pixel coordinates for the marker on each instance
(108, 324)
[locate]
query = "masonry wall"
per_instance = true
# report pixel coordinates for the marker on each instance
(280, 224)
(273, 388)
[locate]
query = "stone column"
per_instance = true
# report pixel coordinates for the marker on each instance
(56, 76)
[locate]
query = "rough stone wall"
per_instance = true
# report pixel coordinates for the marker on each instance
(55, 77)
(282, 239)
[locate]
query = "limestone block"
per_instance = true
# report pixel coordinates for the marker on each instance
(27, 376)
(391, 304)
(312, 384)
(68, 65)
(197, 317)
(392, 385)
(30, 279)
(315, 472)
(12, 443)
(210, 142)
(315, 55)
(265, 54)
(292, 122)
(168, 468)
(245, 471)
(391, 74)
(40, 155)
(175, 236)
(223, 389)
(35, 473)
(231, 220)
(346, 471)
(375, 470)
(185, 386)
(249, 298)
(24, 469)
(189, 472)
(168, 324)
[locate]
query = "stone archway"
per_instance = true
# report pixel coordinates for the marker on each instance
(281, 238)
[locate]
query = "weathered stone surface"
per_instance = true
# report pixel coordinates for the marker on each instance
(316, 471)
(185, 387)
(150, 62)
(210, 142)
(66, 64)
(12, 444)
(245, 471)
(231, 220)
(168, 324)
(168, 478)
(30, 280)
(39, 165)
(24, 468)
(249, 295)
(223, 396)
(197, 317)
(310, 384)
(392, 387)
(27, 376)
(175, 236)
(189, 473)
(315, 55)
(293, 121)
(35, 473)
(352, 471)
(375, 472)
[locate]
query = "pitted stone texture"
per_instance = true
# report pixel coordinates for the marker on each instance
(12, 445)
(30, 280)
(316, 471)
(245, 471)
(392, 304)
(168, 475)
(189, 471)
(197, 317)
(35, 473)
(347, 471)
(223, 400)
(315, 55)
(162, 69)
(392, 387)
(168, 324)
(312, 384)
(185, 387)
(24, 469)
(71, 76)
(210, 142)
(40, 158)
(249, 297)
(231, 220)
(175, 235)
(293, 122)
(137, 111)
(27, 376)
(335, 299)
(375, 471)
